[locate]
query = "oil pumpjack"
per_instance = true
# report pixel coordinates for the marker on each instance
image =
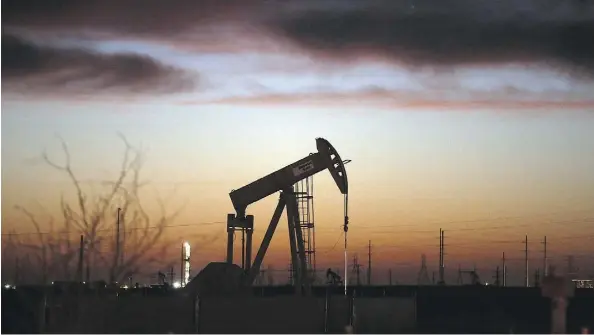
(228, 278)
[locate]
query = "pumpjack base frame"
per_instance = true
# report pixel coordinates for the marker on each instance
(288, 200)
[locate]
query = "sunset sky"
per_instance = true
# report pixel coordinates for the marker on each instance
(472, 116)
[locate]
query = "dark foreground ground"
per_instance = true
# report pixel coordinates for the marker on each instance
(450, 309)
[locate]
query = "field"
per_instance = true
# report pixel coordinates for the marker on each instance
(375, 309)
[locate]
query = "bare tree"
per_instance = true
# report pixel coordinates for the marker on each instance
(17, 264)
(93, 214)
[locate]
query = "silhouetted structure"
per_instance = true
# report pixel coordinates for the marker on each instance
(356, 270)
(545, 260)
(526, 274)
(473, 274)
(304, 194)
(441, 258)
(333, 278)
(369, 263)
(423, 278)
(283, 181)
(497, 281)
(185, 264)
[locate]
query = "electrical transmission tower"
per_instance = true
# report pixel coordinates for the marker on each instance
(423, 278)
(572, 270)
(356, 271)
(305, 203)
(496, 277)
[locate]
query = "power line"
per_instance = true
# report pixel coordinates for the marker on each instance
(501, 218)
(335, 243)
(584, 220)
(482, 242)
(111, 229)
(464, 245)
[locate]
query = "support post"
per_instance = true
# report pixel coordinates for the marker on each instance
(296, 239)
(230, 231)
(248, 250)
(243, 248)
(255, 269)
(304, 273)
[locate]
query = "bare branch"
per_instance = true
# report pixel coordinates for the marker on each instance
(68, 169)
(94, 213)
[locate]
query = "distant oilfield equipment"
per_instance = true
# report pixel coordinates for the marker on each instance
(185, 264)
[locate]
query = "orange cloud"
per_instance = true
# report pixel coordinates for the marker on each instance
(378, 98)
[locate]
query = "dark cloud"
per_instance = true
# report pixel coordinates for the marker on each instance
(136, 17)
(439, 37)
(30, 67)
(412, 32)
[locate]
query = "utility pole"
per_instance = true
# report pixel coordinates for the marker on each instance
(545, 264)
(116, 258)
(537, 278)
(81, 252)
(369, 263)
(441, 257)
(440, 253)
(526, 275)
(504, 270)
(122, 239)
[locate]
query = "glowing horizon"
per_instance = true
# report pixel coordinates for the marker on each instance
(489, 142)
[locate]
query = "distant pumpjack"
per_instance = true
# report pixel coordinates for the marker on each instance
(333, 278)
(474, 277)
(161, 277)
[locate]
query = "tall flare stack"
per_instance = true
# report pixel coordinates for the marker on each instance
(185, 266)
